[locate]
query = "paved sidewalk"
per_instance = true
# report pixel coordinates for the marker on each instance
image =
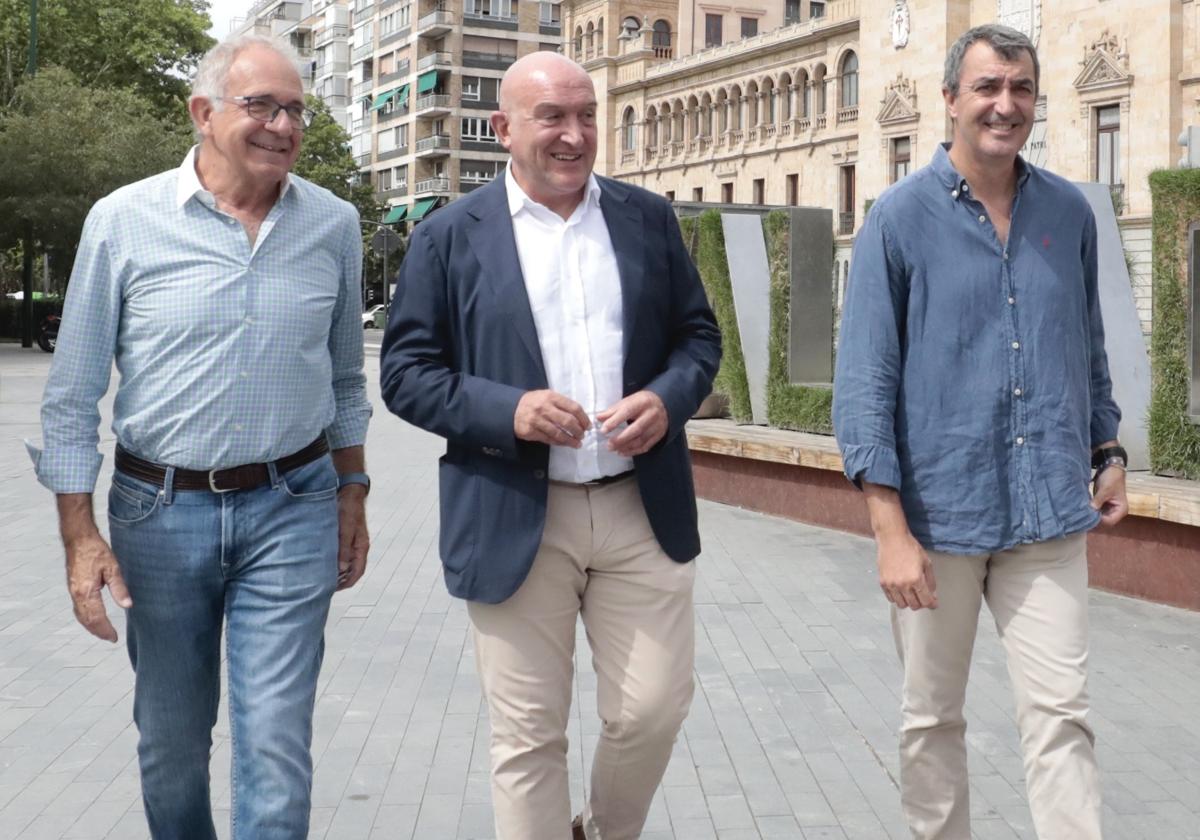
(791, 734)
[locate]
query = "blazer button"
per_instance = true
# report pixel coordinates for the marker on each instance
(539, 474)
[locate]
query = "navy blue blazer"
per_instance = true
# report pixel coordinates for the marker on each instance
(461, 349)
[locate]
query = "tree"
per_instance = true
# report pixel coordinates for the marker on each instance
(325, 159)
(65, 145)
(151, 46)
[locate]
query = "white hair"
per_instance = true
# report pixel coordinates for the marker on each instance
(213, 72)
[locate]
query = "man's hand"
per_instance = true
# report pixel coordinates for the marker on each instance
(1109, 496)
(647, 418)
(91, 566)
(905, 573)
(549, 417)
(353, 540)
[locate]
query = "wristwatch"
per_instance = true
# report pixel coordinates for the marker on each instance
(354, 478)
(1109, 456)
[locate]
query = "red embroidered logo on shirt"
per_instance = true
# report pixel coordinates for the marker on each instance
(1046, 241)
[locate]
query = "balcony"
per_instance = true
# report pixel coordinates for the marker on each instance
(847, 115)
(435, 24)
(433, 185)
(364, 88)
(435, 59)
(363, 52)
(331, 68)
(399, 151)
(490, 21)
(363, 159)
(399, 191)
(401, 72)
(360, 125)
(437, 145)
(338, 31)
(489, 61)
(433, 105)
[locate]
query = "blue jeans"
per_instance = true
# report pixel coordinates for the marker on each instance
(264, 563)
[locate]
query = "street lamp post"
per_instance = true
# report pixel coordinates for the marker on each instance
(384, 242)
(27, 248)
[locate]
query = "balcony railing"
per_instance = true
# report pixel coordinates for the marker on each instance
(820, 122)
(359, 53)
(433, 185)
(473, 16)
(846, 223)
(433, 100)
(847, 115)
(664, 52)
(435, 59)
(364, 88)
(433, 142)
(440, 20)
(332, 33)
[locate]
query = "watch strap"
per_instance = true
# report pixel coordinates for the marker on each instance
(354, 478)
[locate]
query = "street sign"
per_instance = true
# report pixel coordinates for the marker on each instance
(385, 242)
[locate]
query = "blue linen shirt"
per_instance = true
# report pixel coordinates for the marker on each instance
(971, 374)
(228, 353)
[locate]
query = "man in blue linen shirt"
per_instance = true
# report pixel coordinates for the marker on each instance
(227, 293)
(971, 398)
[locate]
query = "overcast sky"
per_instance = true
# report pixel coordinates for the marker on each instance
(223, 11)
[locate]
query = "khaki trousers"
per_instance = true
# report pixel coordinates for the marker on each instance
(598, 559)
(1037, 595)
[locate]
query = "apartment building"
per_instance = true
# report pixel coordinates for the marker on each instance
(425, 77)
(320, 32)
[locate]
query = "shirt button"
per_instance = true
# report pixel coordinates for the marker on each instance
(1020, 441)
(539, 474)
(1016, 392)
(245, 375)
(1012, 300)
(982, 218)
(954, 193)
(1016, 345)
(239, 427)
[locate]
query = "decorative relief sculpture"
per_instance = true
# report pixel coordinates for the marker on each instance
(899, 103)
(1022, 15)
(900, 24)
(1105, 65)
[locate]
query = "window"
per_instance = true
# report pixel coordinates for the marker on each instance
(401, 136)
(901, 157)
(1108, 144)
(697, 193)
(817, 9)
(548, 14)
(477, 129)
(662, 35)
(387, 24)
(759, 191)
(846, 201)
(850, 81)
(670, 194)
(793, 189)
(727, 192)
(404, 16)
(384, 180)
(749, 27)
(791, 11)
(479, 171)
(712, 30)
(480, 89)
(630, 26)
(629, 130)
(491, 8)
(385, 141)
(402, 177)
(387, 64)
(470, 88)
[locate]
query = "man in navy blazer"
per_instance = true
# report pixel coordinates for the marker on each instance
(553, 329)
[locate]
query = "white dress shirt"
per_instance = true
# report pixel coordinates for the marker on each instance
(571, 276)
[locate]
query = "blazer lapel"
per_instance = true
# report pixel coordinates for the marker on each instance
(495, 246)
(624, 222)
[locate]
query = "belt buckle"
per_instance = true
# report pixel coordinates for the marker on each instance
(212, 482)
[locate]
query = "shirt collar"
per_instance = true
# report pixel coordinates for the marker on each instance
(188, 184)
(956, 184)
(518, 199)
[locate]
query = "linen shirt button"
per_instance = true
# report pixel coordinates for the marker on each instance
(1016, 392)
(1020, 441)
(1012, 300)
(982, 218)
(1016, 345)
(954, 193)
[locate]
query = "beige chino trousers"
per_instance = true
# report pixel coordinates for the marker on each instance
(1037, 595)
(598, 559)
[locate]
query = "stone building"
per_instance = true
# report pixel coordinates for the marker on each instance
(828, 103)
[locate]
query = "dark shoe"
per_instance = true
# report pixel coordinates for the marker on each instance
(577, 829)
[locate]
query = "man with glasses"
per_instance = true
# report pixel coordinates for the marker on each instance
(227, 291)
(972, 401)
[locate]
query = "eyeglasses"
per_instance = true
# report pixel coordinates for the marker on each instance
(265, 110)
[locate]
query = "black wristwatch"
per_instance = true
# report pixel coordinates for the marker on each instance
(1109, 456)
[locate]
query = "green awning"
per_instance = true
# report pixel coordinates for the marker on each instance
(396, 214)
(402, 96)
(421, 208)
(426, 82)
(382, 99)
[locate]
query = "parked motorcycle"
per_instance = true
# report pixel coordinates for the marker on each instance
(47, 335)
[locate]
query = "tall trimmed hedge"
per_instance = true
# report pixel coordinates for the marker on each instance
(1174, 441)
(803, 408)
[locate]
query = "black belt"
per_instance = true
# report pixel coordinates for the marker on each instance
(245, 477)
(604, 479)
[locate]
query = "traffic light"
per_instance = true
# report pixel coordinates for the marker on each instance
(1190, 140)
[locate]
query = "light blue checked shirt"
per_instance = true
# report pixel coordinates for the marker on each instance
(228, 353)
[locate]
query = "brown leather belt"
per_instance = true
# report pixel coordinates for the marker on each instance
(245, 477)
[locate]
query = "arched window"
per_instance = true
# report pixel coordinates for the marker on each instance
(630, 26)
(629, 130)
(818, 82)
(652, 128)
(589, 42)
(662, 39)
(578, 42)
(804, 94)
(850, 81)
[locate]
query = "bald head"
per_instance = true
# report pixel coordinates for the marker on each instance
(547, 121)
(536, 72)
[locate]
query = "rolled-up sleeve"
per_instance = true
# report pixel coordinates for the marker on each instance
(352, 409)
(1106, 415)
(867, 374)
(80, 372)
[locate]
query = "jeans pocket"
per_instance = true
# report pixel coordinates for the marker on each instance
(314, 482)
(129, 503)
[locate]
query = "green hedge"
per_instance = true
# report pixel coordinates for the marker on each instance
(1174, 442)
(802, 408)
(706, 241)
(10, 316)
